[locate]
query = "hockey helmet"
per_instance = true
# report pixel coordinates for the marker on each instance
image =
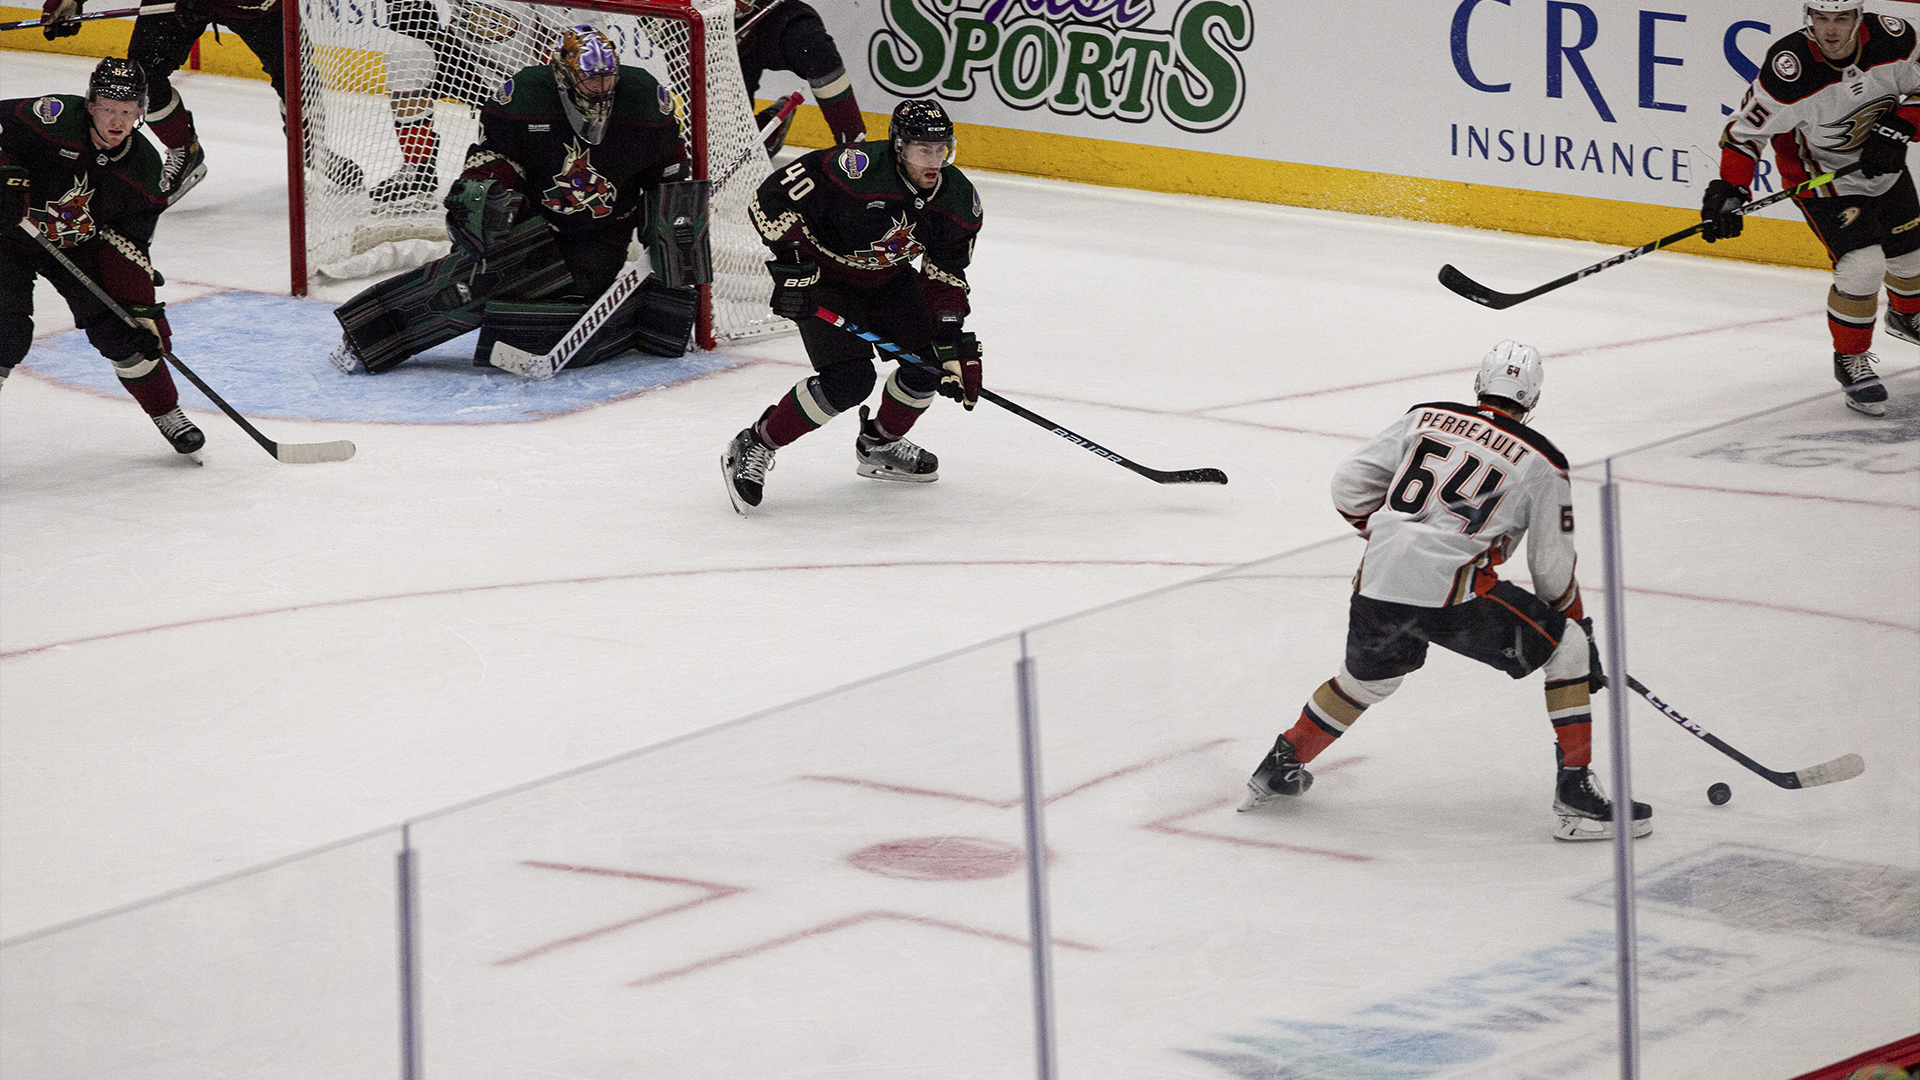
(115, 79)
(587, 68)
(1512, 371)
(921, 122)
(1829, 7)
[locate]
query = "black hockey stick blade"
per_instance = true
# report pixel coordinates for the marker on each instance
(1844, 767)
(290, 453)
(1465, 286)
(1158, 476)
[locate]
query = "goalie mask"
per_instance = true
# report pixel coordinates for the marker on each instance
(587, 69)
(1512, 371)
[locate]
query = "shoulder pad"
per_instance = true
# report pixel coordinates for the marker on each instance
(958, 194)
(1792, 72)
(1888, 39)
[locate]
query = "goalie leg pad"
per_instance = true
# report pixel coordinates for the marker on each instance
(662, 318)
(534, 326)
(438, 302)
(677, 241)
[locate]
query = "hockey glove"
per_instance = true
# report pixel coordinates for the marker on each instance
(480, 213)
(1717, 210)
(59, 18)
(154, 317)
(1885, 150)
(1596, 678)
(193, 11)
(959, 359)
(794, 276)
(16, 190)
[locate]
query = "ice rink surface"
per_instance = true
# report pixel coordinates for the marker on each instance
(204, 668)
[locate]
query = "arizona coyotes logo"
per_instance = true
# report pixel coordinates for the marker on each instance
(69, 222)
(1850, 132)
(898, 245)
(577, 186)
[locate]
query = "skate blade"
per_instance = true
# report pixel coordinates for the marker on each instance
(1257, 797)
(187, 182)
(1575, 827)
(1870, 408)
(344, 359)
(726, 479)
(877, 472)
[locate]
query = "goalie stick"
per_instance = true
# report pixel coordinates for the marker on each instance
(548, 364)
(1480, 294)
(1158, 476)
(1844, 767)
(150, 9)
(290, 453)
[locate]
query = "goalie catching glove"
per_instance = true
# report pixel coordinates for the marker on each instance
(1885, 150)
(958, 355)
(1719, 211)
(794, 276)
(480, 213)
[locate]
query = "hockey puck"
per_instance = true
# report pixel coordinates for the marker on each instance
(1718, 794)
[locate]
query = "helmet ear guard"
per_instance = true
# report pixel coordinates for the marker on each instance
(1511, 370)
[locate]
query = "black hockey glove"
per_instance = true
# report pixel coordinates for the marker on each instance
(16, 191)
(479, 215)
(1885, 150)
(1596, 677)
(958, 355)
(794, 276)
(190, 12)
(153, 318)
(58, 18)
(1717, 210)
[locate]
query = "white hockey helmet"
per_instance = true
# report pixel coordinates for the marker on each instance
(1512, 371)
(1830, 7)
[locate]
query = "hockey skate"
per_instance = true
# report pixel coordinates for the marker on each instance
(341, 172)
(412, 188)
(1281, 774)
(184, 434)
(345, 357)
(1586, 814)
(896, 460)
(744, 466)
(182, 168)
(1865, 392)
(1904, 327)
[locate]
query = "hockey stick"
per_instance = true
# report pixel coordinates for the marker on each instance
(740, 32)
(548, 364)
(1844, 767)
(290, 453)
(1480, 294)
(1158, 476)
(150, 9)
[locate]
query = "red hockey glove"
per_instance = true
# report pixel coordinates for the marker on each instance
(1717, 210)
(59, 18)
(959, 360)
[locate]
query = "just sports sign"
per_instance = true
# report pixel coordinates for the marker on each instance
(1107, 59)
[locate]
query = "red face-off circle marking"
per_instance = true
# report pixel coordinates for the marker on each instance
(940, 858)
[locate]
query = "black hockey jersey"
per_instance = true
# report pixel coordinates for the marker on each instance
(862, 223)
(527, 143)
(80, 194)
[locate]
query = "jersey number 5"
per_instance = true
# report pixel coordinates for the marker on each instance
(1417, 482)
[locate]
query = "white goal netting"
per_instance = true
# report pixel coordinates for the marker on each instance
(390, 97)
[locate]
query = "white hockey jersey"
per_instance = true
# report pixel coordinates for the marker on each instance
(1817, 113)
(1442, 497)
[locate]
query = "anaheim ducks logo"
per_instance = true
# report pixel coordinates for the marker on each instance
(69, 221)
(578, 186)
(1786, 65)
(1850, 132)
(1848, 216)
(896, 246)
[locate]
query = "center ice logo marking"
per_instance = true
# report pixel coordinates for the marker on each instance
(578, 186)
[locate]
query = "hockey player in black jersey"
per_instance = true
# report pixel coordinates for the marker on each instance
(788, 35)
(1843, 90)
(76, 171)
(573, 156)
(845, 226)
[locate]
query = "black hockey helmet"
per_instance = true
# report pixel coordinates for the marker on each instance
(920, 121)
(116, 79)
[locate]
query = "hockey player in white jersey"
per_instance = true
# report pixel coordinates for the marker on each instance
(1442, 496)
(1844, 89)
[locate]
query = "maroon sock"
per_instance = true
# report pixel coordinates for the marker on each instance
(154, 391)
(895, 419)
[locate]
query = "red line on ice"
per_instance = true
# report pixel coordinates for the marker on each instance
(714, 890)
(319, 605)
(1004, 804)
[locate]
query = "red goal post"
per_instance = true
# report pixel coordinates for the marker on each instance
(383, 99)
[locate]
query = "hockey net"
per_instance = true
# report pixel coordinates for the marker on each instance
(388, 101)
